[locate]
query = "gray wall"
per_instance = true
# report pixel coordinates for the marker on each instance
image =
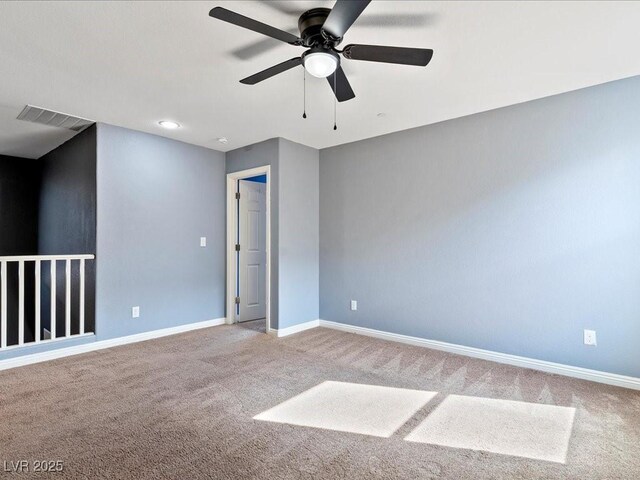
(299, 237)
(294, 225)
(67, 223)
(156, 198)
(510, 230)
(259, 155)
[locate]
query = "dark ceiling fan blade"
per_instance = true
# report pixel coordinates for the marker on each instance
(250, 24)
(271, 71)
(342, 16)
(372, 20)
(342, 88)
(256, 48)
(376, 53)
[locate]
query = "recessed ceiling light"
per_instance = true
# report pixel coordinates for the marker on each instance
(169, 124)
(223, 140)
(381, 114)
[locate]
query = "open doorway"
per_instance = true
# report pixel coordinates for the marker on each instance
(248, 247)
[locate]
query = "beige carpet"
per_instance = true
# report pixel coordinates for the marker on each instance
(183, 407)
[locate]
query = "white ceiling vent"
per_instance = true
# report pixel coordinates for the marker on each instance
(53, 119)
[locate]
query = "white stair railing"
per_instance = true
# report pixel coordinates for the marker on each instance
(36, 261)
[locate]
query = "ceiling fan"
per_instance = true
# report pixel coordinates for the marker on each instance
(321, 31)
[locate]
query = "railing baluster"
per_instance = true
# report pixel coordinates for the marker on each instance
(82, 296)
(3, 298)
(53, 299)
(23, 293)
(67, 300)
(37, 295)
(20, 302)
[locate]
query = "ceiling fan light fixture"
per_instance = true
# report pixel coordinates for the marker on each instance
(320, 64)
(321, 31)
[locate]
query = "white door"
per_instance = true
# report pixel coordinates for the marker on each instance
(252, 257)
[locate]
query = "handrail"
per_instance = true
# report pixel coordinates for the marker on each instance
(29, 258)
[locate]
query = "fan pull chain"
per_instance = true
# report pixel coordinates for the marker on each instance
(304, 94)
(335, 101)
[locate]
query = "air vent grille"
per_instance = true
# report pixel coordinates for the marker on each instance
(53, 119)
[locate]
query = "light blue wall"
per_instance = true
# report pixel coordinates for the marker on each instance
(156, 198)
(259, 155)
(299, 236)
(510, 230)
(294, 225)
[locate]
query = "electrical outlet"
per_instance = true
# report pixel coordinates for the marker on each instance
(203, 241)
(590, 337)
(135, 312)
(354, 305)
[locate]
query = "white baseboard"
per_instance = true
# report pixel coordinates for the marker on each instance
(542, 365)
(99, 345)
(283, 332)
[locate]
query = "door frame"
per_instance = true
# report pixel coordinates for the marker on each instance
(232, 228)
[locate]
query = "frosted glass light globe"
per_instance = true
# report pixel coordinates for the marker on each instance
(320, 64)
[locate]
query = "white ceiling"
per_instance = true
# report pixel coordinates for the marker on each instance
(134, 63)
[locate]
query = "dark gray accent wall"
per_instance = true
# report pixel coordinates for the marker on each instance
(294, 225)
(19, 189)
(156, 198)
(67, 215)
(510, 230)
(67, 223)
(49, 208)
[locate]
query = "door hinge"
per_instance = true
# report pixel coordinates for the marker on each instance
(237, 300)
(237, 247)
(237, 195)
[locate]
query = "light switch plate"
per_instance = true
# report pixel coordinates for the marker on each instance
(590, 337)
(354, 305)
(135, 312)
(203, 241)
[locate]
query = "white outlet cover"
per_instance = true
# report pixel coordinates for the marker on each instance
(590, 337)
(354, 305)
(203, 241)
(135, 312)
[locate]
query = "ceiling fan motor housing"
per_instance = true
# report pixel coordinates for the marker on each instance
(310, 24)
